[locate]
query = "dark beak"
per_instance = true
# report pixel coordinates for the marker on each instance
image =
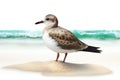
(39, 22)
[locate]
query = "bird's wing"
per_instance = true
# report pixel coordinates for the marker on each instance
(66, 39)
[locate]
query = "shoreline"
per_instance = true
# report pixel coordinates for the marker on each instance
(20, 53)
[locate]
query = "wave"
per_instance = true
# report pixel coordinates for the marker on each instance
(98, 34)
(20, 34)
(86, 34)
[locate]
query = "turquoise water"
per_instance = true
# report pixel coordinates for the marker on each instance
(81, 34)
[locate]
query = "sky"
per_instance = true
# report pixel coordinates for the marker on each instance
(72, 14)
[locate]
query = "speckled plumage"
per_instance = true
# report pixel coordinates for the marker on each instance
(65, 39)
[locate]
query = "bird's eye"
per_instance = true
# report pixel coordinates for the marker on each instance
(47, 19)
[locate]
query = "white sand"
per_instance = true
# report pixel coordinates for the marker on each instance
(15, 59)
(59, 68)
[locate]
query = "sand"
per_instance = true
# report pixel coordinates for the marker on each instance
(53, 68)
(34, 61)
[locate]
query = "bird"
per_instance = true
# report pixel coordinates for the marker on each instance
(61, 40)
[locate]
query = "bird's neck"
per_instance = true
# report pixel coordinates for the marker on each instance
(51, 25)
(48, 27)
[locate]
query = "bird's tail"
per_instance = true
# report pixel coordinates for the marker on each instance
(92, 49)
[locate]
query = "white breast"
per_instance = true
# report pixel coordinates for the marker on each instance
(52, 44)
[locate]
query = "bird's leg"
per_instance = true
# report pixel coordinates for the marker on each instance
(65, 57)
(57, 56)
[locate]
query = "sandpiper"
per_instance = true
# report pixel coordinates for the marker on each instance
(62, 40)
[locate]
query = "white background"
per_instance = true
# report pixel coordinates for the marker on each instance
(72, 14)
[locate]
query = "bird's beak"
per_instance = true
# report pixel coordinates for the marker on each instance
(39, 22)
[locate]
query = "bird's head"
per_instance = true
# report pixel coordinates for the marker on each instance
(50, 20)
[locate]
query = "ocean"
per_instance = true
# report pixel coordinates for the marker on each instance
(81, 34)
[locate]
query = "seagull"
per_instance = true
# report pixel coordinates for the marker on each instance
(62, 40)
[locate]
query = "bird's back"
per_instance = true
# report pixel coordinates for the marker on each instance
(66, 39)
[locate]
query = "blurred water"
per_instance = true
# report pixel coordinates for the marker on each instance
(37, 35)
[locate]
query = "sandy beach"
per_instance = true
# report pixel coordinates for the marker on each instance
(25, 61)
